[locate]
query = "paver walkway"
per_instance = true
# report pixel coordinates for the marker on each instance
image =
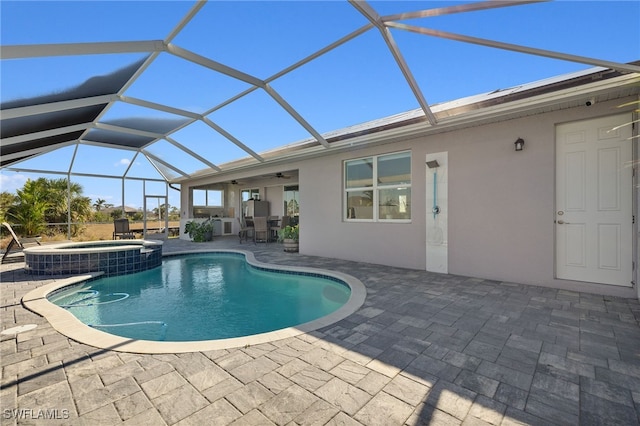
(424, 349)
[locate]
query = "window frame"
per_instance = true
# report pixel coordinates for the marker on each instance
(376, 188)
(252, 193)
(206, 197)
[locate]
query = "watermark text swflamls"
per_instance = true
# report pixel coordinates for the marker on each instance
(38, 414)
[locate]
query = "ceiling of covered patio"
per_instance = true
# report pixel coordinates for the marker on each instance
(174, 90)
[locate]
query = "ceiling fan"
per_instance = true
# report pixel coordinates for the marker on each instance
(280, 175)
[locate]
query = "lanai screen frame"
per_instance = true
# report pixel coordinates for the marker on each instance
(24, 144)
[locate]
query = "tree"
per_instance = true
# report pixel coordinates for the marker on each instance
(58, 196)
(116, 213)
(31, 208)
(100, 217)
(44, 201)
(99, 204)
(65, 199)
(80, 213)
(174, 213)
(292, 208)
(160, 211)
(7, 200)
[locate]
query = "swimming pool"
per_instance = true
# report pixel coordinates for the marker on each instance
(198, 301)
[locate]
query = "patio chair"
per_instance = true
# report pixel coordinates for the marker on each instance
(244, 230)
(121, 230)
(273, 222)
(17, 244)
(260, 229)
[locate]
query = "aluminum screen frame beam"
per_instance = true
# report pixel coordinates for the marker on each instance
(516, 48)
(75, 49)
(366, 10)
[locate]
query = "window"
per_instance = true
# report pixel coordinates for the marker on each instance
(207, 197)
(378, 188)
(250, 194)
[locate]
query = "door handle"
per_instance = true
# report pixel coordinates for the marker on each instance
(562, 222)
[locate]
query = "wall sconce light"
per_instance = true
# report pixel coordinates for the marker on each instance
(519, 144)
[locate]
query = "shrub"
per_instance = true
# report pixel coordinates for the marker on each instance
(290, 233)
(199, 231)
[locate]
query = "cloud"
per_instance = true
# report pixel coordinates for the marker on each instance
(11, 181)
(123, 162)
(107, 198)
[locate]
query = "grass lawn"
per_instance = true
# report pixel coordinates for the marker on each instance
(91, 232)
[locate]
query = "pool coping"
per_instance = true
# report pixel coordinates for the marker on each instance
(102, 245)
(66, 323)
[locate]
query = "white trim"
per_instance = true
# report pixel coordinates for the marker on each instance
(375, 188)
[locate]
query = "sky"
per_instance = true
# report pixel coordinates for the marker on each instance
(357, 82)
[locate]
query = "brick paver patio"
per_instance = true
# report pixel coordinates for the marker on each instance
(424, 349)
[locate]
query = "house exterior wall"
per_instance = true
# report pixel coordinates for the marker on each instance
(324, 233)
(501, 203)
(275, 195)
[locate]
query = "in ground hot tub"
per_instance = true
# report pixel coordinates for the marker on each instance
(111, 257)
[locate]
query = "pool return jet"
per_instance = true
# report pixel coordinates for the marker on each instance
(435, 236)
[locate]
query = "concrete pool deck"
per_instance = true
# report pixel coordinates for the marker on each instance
(423, 349)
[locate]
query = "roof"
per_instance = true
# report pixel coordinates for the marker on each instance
(180, 137)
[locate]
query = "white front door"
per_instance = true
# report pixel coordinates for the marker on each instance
(594, 201)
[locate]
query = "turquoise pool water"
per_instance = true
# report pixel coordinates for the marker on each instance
(204, 296)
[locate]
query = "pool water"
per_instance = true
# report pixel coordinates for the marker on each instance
(203, 296)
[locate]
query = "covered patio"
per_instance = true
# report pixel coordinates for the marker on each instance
(425, 348)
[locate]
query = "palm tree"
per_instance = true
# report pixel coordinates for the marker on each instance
(80, 213)
(7, 200)
(59, 194)
(31, 208)
(65, 200)
(45, 201)
(99, 204)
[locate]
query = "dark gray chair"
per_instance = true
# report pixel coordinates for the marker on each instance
(121, 230)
